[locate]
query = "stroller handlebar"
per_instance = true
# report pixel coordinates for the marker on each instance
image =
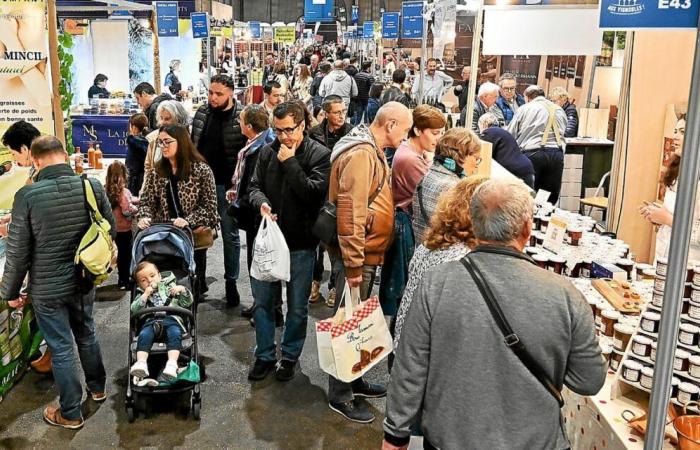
(166, 309)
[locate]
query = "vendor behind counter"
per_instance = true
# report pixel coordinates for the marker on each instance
(99, 87)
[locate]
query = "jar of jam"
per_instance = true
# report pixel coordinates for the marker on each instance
(627, 265)
(650, 322)
(652, 354)
(694, 366)
(657, 298)
(688, 334)
(557, 263)
(687, 392)
(621, 335)
(541, 260)
(615, 360)
(659, 283)
(631, 370)
(544, 223)
(640, 268)
(575, 233)
(646, 378)
(609, 318)
(641, 345)
(661, 266)
(694, 308)
(681, 360)
(696, 275)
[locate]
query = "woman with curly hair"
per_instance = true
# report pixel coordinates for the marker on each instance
(123, 207)
(449, 238)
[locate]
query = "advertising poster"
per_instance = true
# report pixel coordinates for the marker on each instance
(25, 92)
(525, 68)
(390, 25)
(412, 20)
(284, 35)
(166, 19)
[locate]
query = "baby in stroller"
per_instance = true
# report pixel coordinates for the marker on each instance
(157, 289)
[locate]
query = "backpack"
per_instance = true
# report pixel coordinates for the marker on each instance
(94, 254)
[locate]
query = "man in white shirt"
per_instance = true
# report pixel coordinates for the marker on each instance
(538, 126)
(435, 83)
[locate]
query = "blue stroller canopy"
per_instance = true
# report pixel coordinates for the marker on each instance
(163, 240)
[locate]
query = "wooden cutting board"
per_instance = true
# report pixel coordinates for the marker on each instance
(619, 294)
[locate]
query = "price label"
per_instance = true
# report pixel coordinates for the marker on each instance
(556, 231)
(542, 197)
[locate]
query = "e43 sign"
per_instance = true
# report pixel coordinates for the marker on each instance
(639, 14)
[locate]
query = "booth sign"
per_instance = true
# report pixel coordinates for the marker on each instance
(635, 14)
(285, 35)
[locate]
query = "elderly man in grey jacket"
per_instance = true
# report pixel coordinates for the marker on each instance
(453, 368)
(338, 82)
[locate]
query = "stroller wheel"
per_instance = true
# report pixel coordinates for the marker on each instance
(196, 407)
(130, 414)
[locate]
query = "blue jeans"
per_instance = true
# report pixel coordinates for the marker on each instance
(360, 109)
(172, 334)
(229, 233)
(63, 325)
(298, 290)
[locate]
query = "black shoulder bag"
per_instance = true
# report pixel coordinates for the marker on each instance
(326, 226)
(511, 339)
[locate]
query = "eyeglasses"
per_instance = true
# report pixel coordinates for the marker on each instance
(342, 112)
(163, 143)
(287, 131)
(510, 89)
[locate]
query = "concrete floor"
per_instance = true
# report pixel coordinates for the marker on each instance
(235, 413)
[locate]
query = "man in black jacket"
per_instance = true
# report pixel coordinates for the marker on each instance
(148, 101)
(216, 132)
(364, 81)
(48, 222)
(289, 185)
(394, 92)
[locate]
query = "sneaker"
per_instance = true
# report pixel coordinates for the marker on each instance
(261, 369)
(139, 369)
(170, 371)
(355, 410)
(285, 370)
(43, 364)
(330, 301)
(145, 382)
(315, 292)
(233, 298)
(52, 415)
(369, 390)
(98, 397)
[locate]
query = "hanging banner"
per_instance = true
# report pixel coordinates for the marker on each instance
(255, 30)
(200, 25)
(368, 30)
(390, 25)
(319, 11)
(444, 26)
(635, 14)
(355, 15)
(412, 20)
(284, 35)
(166, 19)
(25, 92)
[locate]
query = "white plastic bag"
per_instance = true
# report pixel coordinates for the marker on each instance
(270, 253)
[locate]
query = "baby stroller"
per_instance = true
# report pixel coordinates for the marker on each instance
(170, 249)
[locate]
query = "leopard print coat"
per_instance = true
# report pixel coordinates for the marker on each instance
(197, 197)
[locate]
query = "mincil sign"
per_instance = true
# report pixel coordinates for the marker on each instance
(23, 56)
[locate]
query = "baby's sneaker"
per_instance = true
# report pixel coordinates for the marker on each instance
(139, 369)
(170, 371)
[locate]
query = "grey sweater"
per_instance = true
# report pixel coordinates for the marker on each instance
(453, 368)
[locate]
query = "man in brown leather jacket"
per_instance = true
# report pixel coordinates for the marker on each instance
(360, 187)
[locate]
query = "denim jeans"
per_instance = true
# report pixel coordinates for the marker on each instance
(549, 167)
(63, 325)
(229, 233)
(360, 109)
(298, 290)
(339, 391)
(172, 334)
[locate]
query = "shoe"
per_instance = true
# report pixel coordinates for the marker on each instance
(369, 390)
(233, 298)
(145, 382)
(98, 397)
(139, 369)
(330, 301)
(43, 364)
(355, 410)
(52, 415)
(170, 370)
(315, 292)
(285, 370)
(247, 312)
(261, 369)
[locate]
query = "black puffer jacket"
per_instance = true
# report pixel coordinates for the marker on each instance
(295, 189)
(234, 140)
(49, 218)
(571, 120)
(364, 82)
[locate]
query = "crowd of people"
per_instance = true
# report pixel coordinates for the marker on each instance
(407, 200)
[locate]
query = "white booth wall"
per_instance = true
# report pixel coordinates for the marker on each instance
(185, 48)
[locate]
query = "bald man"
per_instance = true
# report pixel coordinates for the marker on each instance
(359, 183)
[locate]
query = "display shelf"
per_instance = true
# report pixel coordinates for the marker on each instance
(691, 348)
(638, 385)
(678, 373)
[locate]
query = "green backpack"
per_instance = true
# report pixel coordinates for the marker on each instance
(94, 254)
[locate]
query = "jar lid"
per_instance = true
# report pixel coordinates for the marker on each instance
(662, 260)
(648, 371)
(617, 352)
(625, 261)
(611, 314)
(689, 388)
(625, 329)
(680, 353)
(575, 229)
(694, 360)
(642, 340)
(689, 328)
(643, 266)
(651, 315)
(540, 257)
(649, 272)
(532, 249)
(557, 259)
(634, 365)
(659, 277)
